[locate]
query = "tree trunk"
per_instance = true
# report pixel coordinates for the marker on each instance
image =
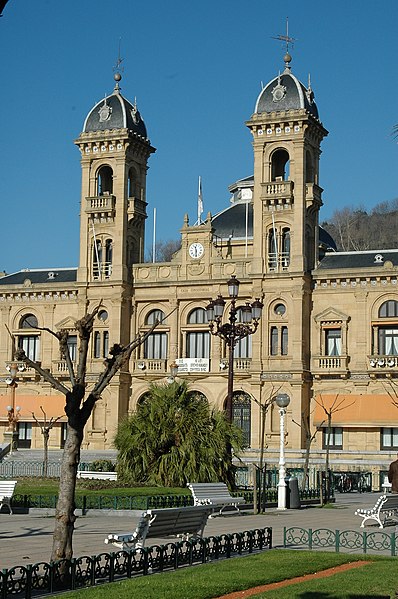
(65, 512)
(308, 442)
(46, 435)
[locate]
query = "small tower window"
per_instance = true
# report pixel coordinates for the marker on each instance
(102, 259)
(105, 180)
(280, 166)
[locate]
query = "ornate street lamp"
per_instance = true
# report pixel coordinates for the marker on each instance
(232, 331)
(282, 401)
(173, 372)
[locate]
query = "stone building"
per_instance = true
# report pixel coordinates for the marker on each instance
(328, 336)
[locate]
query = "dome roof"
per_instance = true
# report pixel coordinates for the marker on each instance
(286, 92)
(115, 112)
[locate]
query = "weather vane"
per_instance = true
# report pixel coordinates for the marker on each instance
(286, 38)
(118, 68)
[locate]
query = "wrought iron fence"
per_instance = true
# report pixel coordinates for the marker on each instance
(349, 540)
(12, 469)
(64, 575)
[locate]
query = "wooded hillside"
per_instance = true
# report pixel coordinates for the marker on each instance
(358, 229)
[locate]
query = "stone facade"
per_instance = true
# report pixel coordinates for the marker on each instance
(328, 336)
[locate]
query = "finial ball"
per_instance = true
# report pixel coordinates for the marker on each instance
(287, 58)
(117, 76)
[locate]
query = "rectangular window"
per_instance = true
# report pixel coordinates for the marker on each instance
(389, 438)
(243, 349)
(31, 346)
(97, 344)
(388, 342)
(274, 341)
(198, 345)
(24, 435)
(155, 347)
(333, 342)
(105, 344)
(72, 346)
(335, 438)
(284, 347)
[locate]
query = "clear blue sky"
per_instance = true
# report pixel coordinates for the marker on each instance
(196, 70)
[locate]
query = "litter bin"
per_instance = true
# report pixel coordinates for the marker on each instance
(292, 493)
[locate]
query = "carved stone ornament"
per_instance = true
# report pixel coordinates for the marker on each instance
(104, 112)
(135, 115)
(279, 91)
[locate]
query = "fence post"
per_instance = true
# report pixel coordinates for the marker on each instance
(337, 532)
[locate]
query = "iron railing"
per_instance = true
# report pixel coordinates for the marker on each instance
(65, 575)
(349, 540)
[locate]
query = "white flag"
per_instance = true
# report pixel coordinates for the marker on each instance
(200, 200)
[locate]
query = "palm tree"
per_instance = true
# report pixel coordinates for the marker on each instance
(174, 437)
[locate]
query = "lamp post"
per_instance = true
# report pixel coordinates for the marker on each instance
(173, 372)
(13, 410)
(232, 331)
(282, 401)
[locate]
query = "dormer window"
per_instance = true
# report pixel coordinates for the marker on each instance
(379, 259)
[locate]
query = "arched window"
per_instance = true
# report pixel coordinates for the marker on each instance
(198, 340)
(389, 309)
(285, 247)
(280, 166)
(29, 321)
(278, 248)
(29, 343)
(309, 168)
(241, 414)
(278, 331)
(133, 190)
(102, 259)
(154, 316)
(105, 181)
(387, 334)
(243, 348)
(155, 346)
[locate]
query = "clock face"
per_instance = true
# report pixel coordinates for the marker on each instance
(196, 250)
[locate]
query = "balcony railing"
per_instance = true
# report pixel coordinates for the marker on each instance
(278, 262)
(382, 362)
(313, 194)
(277, 193)
(152, 366)
(102, 205)
(242, 364)
(102, 271)
(326, 365)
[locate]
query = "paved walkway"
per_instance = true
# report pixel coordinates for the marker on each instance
(27, 538)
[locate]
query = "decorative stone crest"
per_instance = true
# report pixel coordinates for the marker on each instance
(279, 91)
(105, 112)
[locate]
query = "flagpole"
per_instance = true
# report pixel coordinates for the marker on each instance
(154, 236)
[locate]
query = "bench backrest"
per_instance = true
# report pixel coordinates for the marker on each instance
(390, 502)
(7, 488)
(172, 521)
(209, 490)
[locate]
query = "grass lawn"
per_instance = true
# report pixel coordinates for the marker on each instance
(49, 486)
(379, 579)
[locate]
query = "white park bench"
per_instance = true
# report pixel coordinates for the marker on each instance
(177, 521)
(97, 475)
(7, 488)
(386, 506)
(214, 494)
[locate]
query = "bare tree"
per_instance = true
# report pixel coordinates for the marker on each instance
(79, 404)
(45, 428)
(259, 504)
(335, 406)
(309, 438)
(164, 250)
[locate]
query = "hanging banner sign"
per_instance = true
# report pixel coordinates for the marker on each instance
(193, 365)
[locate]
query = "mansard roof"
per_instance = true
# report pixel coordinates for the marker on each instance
(115, 112)
(365, 259)
(40, 276)
(286, 92)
